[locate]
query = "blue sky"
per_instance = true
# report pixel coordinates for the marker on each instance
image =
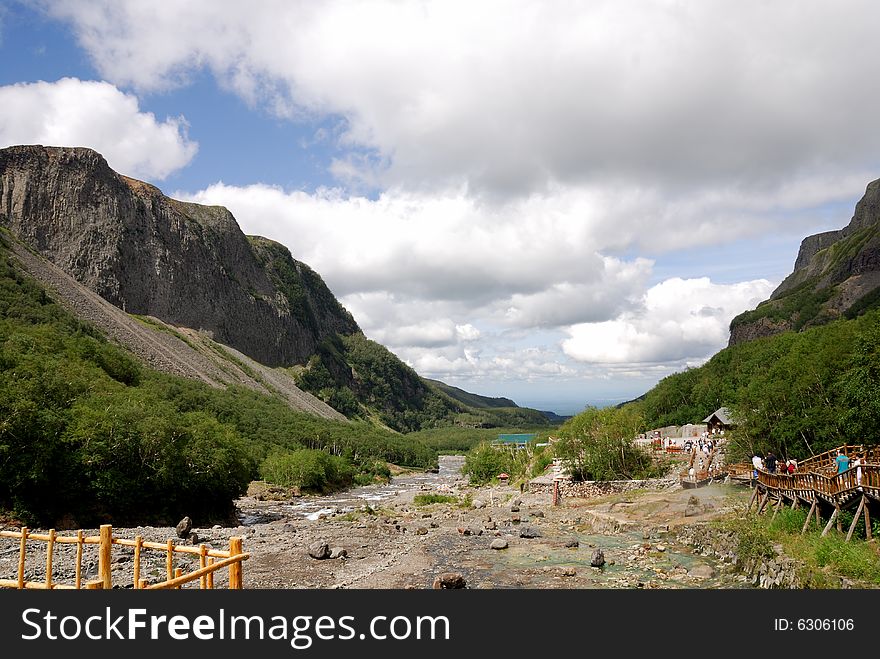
(556, 203)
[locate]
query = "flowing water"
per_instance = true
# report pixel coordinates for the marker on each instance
(352, 499)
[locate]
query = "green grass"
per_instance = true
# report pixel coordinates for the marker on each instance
(824, 560)
(429, 499)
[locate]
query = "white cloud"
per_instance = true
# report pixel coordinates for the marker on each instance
(508, 97)
(72, 112)
(679, 319)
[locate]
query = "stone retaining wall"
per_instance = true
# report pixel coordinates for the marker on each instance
(778, 571)
(588, 489)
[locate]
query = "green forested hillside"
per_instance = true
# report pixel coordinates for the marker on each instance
(87, 431)
(363, 379)
(797, 392)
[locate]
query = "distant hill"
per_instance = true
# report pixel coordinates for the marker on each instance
(836, 275)
(472, 400)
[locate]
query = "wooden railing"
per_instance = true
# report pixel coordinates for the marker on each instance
(830, 487)
(826, 461)
(105, 541)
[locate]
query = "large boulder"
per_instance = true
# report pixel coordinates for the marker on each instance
(529, 532)
(184, 526)
(449, 581)
(319, 550)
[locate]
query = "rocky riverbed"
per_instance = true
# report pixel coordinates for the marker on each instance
(492, 537)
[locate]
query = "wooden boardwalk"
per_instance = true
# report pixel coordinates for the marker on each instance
(817, 484)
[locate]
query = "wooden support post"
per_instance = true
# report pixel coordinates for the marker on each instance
(142, 583)
(818, 516)
(839, 521)
(777, 507)
(795, 502)
(178, 572)
(97, 584)
(809, 517)
(867, 520)
(754, 499)
(22, 552)
(169, 560)
(104, 551)
(209, 578)
(764, 501)
(79, 559)
(235, 570)
(50, 553)
(830, 522)
(852, 527)
(138, 540)
(203, 556)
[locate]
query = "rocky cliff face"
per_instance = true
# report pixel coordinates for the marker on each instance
(187, 264)
(836, 274)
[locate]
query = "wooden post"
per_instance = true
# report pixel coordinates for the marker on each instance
(777, 507)
(763, 501)
(79, 559)
(867, 520)
(809, 517)
(830, 522)
(203, 555)
(209, 578)
(50, 551)
(852, 527)
(555, 492)
(235, 570)
(97, 584)
(753, 499)
(22, 552)
(142, 583)
(137, 561)
(839, 521)
(818, 516)
(169, 560)
(178, 572)
(104, 549)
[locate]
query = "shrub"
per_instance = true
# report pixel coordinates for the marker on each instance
(428, 499)
(309, 469)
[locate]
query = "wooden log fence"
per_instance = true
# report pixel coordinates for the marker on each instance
(210, 561)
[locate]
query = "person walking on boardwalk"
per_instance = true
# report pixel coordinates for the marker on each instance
(770, 461)
(842, 461)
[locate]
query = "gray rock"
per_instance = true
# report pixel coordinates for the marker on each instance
(184, 526)
(499, 543)
(572, 543)
(338, 552)
(421, 531)
(319, 550)
(189, 265)
(536, 513)
(529, 532)
(449, 580)
(701, 571)
(491, 526)
(598, 558)
(478, 503)
(193, 538)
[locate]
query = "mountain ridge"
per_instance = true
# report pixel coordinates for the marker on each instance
(836, 274)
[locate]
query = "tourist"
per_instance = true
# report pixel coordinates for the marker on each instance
(770, 461)
(791, 467)
(842, 461)
(857, 463)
